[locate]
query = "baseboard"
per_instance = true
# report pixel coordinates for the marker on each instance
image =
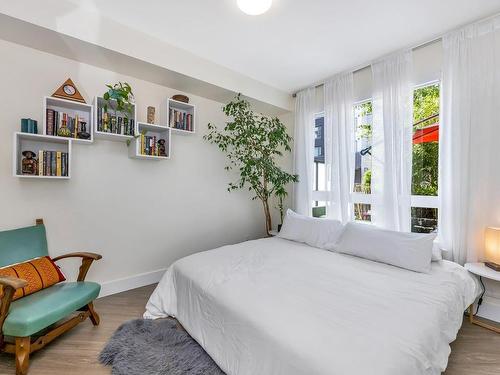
(490, 308)
(131, 282)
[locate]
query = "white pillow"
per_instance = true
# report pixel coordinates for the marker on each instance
(436, 252)
(412, 251)
(310, 230)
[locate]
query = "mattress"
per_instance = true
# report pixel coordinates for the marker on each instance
(273, 306)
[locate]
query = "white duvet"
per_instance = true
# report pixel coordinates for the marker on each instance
(273, 306)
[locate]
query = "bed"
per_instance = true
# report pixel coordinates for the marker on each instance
(273, 306)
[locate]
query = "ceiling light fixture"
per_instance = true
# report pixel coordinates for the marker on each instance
(254, 7)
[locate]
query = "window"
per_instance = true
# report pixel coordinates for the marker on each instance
(319, 154)
(319, 180)
(425, 158)
(363, 121)
(363, 160)
(425, 161)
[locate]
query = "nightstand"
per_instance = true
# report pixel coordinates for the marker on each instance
(480, 270)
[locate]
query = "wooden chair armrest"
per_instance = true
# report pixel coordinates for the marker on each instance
(87, 259)
(13, 282)
(84, 255)
(10, 285)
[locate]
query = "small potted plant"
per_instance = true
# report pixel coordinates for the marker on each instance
(119, 97)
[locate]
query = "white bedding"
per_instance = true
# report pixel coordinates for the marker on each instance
(274, 306)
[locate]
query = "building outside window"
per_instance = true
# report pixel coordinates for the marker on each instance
(319, 182)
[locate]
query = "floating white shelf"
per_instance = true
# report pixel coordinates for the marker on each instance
(36, 143)
(108, 135)
(72, 108)
(152, 130)
(183, 108)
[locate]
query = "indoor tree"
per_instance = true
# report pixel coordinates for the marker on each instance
(252, 143)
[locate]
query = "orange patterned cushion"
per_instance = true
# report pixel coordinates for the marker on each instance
(40, 273)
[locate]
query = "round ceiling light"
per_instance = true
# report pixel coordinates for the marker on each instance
(254, 7)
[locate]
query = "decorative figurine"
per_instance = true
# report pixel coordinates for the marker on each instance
(162, 148)
(114, 126)
(119, 125)
(151, 115)
(181, 98)
(63, 131)
(83, 133)
(105, 122)
(126, 129)
(29, 163)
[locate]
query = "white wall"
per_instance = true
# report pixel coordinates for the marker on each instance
(140, 215)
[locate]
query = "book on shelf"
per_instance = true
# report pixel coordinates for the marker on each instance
(180, 120)
(53, 163)
(29, 125)
(56, 120)
(149, 145)
(117, 123)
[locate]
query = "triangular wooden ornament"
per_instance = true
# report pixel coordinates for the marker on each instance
(69, 91)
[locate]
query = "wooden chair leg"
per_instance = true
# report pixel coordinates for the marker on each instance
(94, 317)
(22, 355)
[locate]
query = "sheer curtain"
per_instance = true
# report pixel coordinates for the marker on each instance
(339, 143)
(392, 133)
(469, 182)
(303, 154)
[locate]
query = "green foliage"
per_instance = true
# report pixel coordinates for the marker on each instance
(252, 143)
(367, 181)
(362, 110)
(425, 155)
(120, 97)
(425, 104)
(365, 108)
(425, 168)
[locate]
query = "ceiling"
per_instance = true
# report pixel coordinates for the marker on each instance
(296, 43)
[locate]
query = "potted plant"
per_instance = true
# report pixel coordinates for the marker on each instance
(119, 97)
(252, 143)
(281, 194)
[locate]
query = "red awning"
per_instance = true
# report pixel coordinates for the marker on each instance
(428, 134)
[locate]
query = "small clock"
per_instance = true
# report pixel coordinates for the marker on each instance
(69, 89)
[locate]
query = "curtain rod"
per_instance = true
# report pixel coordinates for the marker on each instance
(418, 46)
(366, 66)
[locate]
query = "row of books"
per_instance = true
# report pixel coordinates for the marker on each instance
(55, 120)
(113, 123)
(52, 163)
(29, 125)
(180, 120)
(149, 145)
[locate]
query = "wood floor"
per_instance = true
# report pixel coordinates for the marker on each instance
(475, 352)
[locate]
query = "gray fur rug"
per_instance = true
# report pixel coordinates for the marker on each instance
(156, 347)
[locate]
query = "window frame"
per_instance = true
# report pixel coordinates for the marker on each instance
(428, 201)
(416, 201)
(320, 195)
(359, 198)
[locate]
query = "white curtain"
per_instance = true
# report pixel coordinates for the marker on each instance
(340, 145)
(304, 150)
(392, 134)
(469, 182)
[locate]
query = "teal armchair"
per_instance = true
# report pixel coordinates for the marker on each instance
(24, 322)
